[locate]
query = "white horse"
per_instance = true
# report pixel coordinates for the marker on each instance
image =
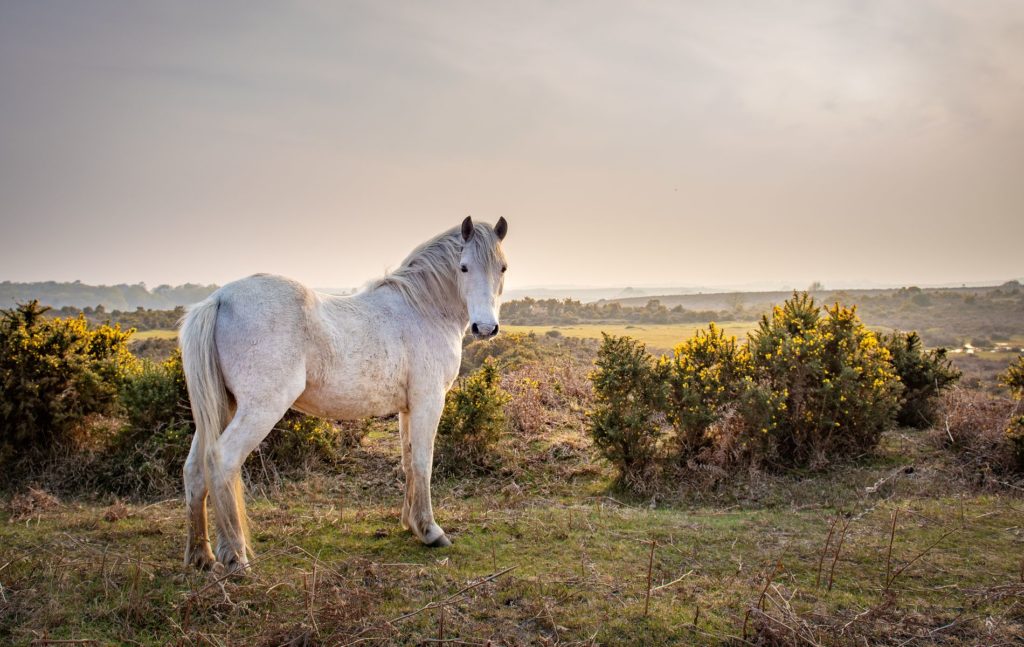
(264, 344)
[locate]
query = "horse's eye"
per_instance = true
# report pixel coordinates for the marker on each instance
(464, 268)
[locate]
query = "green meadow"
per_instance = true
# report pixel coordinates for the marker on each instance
(888, 550)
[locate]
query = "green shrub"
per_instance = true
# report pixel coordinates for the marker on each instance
(924, 375)
(300, 441)
(54, 374)
(472, 420)
(704, 376)
(1015, 435)
(627, 397)
(146, 455)
(822, 387)
(156, 394)
(144, 462)
(1013, 379)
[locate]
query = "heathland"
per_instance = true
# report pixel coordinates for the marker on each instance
(914, 539)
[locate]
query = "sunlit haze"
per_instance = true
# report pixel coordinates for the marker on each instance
(671, 144)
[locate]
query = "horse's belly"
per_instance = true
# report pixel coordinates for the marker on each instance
(353, 401)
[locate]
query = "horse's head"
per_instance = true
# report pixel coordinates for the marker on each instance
(482, 274)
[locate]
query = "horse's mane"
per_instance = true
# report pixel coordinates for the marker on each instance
(427, 277)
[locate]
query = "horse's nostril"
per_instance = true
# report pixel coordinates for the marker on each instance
(484, 329)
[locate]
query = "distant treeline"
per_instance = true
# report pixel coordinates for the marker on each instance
(139, 319)
(121, 297)
(541, 312)
(983, 316)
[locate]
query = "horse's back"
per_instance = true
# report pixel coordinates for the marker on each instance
(266, 291)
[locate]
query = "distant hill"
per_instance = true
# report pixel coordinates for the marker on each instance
(765, 300)
(111, 297)
(589, 295)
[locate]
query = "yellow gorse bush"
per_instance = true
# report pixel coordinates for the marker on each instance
(1013, 379)
(811, 385)
(827, 387)
(702, 376)
(54, 373)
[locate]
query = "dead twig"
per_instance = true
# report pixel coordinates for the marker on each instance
(760, 599)
(311, 597)
(888, 555)
(921, 554)
(675, 581)
(650, 568)
(824, 550)
(839, 549)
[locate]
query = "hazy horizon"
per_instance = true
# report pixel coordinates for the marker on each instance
(674, 144)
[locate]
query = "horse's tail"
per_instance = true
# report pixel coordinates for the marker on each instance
(211, 412)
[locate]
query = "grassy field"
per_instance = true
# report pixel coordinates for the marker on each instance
(544, 554)
(658, 337)
(141, 335)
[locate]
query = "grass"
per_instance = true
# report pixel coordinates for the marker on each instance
(744, 563)
(140, 335)
(658, 337)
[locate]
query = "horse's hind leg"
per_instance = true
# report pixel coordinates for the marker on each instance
(253, 420)
(197, 545)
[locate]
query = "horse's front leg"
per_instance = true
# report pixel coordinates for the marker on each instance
(403, 435)
(424, 415)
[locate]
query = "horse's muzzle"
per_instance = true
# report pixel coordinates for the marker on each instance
(485, 330)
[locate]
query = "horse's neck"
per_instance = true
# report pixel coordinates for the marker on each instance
(453, 320)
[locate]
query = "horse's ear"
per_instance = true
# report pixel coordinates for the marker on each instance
(467, 229)
(501, 228)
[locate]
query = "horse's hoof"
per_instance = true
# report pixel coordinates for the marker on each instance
(201, 557)
(231, 563)
(233, 567)
(203, 561)
(440, 542)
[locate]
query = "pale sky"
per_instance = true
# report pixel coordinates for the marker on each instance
(627, 143)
